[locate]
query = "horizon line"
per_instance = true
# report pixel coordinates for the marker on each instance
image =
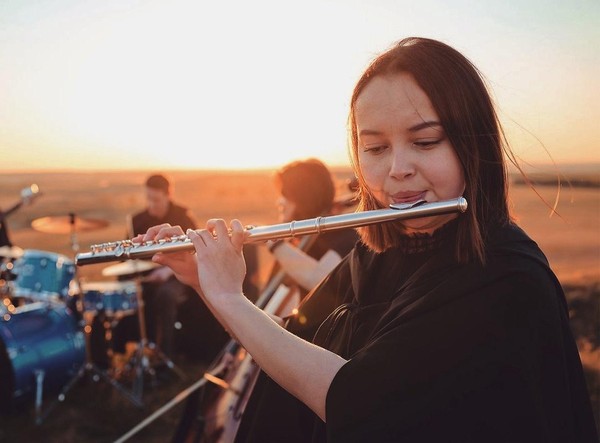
(13, 171)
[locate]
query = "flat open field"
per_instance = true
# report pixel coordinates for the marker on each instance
(570, 239)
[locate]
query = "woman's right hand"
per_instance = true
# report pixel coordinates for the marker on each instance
(183, 264)
(221, 264)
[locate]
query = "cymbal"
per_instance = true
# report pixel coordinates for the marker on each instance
(66, 224)
(129, 267)
(11, 252)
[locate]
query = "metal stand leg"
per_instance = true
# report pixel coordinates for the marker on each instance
(39, 387)
(166, 360)
(87, 367)
(141, 362)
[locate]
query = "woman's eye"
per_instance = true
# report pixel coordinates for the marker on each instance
(374, 149)
(426, 143)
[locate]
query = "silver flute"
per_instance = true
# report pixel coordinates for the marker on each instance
(128, 250)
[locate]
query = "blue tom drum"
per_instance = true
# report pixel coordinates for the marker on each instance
(113, 297)
(43, 275)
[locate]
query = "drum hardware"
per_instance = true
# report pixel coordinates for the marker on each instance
(30, 367)
(139, 361)
(6, 279)
(135, 269)
(114, 298)
(8, 255)
(74, 302)
(232, 364)
(43, 275)
(68, 224)
(88, 366)
(129, 268)
(28, 195)
(8, 252)
(65, 224)
(11, 252)
(107, 302)
(27, 335)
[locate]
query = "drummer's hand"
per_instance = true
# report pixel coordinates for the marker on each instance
(221, 265)
(159, 275)
(183, 264)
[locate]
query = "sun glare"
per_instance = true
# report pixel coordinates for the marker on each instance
(183, 85)
(147, 99)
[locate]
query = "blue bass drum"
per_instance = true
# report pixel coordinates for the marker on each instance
(36, 337)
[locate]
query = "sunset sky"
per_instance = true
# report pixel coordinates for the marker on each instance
(125, 84)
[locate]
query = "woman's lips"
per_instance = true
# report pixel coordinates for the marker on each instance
(408, 196)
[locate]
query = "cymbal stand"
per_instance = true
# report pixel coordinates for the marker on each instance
(74, 242)
(141, 362)
(88, 366)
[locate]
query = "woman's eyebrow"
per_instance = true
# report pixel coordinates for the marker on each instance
(368, 132)
(415, 128)
(425, 124)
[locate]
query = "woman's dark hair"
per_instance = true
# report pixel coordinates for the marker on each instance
(461, 100)
(308, 184)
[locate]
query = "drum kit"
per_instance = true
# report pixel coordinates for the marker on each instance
(46, 318)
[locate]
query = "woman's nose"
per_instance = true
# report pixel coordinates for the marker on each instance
(402, 163)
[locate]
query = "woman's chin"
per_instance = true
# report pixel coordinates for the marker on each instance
(427, 224)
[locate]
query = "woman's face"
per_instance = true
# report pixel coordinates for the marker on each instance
(403, 152)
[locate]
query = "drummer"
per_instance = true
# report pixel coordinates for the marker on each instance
(164, 295)
(161, 291)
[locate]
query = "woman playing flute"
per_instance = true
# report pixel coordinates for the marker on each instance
(442, 328)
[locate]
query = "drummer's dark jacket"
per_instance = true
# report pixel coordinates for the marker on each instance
(438, 351)
(176, 215)
(179, 215)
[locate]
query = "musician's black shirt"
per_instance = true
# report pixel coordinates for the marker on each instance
(176, 215)
(437, 351)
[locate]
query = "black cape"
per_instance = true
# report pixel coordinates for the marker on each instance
(438, 352)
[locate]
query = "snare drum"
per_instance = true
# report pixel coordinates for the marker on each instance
(43, 275)
(38, 336)
(118, 297)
